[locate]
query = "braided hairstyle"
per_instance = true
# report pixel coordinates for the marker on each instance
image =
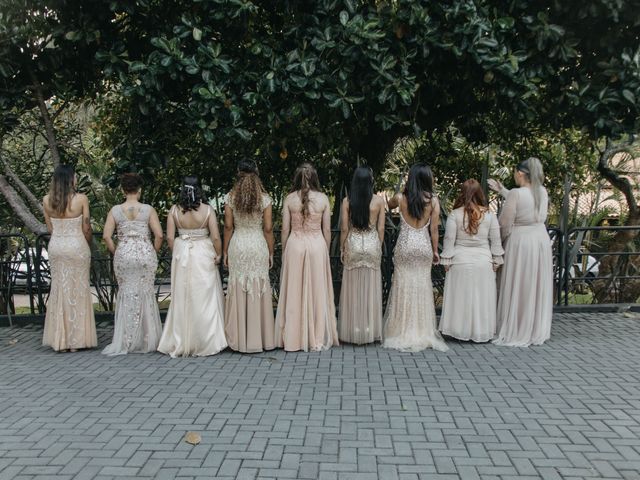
(305, 180)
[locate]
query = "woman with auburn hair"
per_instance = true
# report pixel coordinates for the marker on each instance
(137, 326)
(306, 318)
(472, 252)
(248, 254)
(70, 323)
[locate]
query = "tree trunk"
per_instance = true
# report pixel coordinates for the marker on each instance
(48, 123)
(20, 208)
(610, 290)
(28, 194)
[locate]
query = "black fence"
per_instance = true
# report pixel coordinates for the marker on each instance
(585, 272)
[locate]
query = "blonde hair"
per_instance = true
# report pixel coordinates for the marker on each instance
(532, 168)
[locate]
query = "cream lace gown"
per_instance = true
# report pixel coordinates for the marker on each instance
(249, 322)
(469, 307)
(525, 301)
(360, 314)
(410, 319)
(137, 326)
(306, 318)
(69, 322)
(195, 320)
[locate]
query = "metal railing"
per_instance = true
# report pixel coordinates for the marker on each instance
(584, 272)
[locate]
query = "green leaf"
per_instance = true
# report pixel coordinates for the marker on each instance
(629, 96)
(243, 133)
(344, 17)
(197, 34)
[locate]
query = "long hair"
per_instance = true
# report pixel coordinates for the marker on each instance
(418, 189)
(305, 180)
(61, 189)
(360, 196)
(191, 195)
(532, 168)
(474, 203)
(246, 194)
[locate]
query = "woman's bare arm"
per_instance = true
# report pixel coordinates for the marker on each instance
(228, 233)
(107, 233)
(156, 229)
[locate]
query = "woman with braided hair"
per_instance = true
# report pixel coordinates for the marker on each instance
(306, 317)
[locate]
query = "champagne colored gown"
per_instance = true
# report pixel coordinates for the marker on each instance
(69, 322)
(470, 291)
(249, 321)
(195, 320)
(410, 318)
(137, 326)
(360, 314)
(306, 317)
(525, 301)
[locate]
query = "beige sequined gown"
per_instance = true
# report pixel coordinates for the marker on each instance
(137, 326)
(69, 322)
(360, 317)
(249, 322)
(410, 319)
(306, 318)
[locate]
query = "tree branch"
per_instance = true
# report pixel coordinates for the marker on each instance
(46, 118)
(28, 194)
(615, 179)
(20, 208)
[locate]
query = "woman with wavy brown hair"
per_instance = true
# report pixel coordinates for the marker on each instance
(306, 318)
(472, 252)
(248, 254)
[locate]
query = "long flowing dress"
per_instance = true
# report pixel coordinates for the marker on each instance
(360, 313)
(306, 317)
(249, 321)
(410, 318)
(525, 301)
(470, 296)
(137, 326)
(69, 322)
(195, 321)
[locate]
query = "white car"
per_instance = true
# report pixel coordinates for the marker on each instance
(21, 273)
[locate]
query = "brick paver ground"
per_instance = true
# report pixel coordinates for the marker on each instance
(568, 409)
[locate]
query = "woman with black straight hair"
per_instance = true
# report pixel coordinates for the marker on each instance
(361, 237)
(410, 319)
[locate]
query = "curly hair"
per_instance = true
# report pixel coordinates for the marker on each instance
(305, 180)
(191, 195)
(475, 205)
(246, 194)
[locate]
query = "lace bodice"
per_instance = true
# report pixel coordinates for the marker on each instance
(312, 224)
(127, 228)
(413, 247)
(363, 249)
(243, 221)
(67, 227)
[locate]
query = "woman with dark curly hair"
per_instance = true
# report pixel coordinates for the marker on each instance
(195, 320)
(248, 254)
(137, 326)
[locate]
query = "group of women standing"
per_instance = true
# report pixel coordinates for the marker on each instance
(201, 321)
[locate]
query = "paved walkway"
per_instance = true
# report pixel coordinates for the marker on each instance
(568, 409)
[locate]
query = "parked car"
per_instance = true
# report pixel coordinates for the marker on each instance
(21, 273)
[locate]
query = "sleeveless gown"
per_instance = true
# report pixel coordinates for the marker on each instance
(306, 318)
(410, 319)
(69, 322)
(195, 320)
(137, 326)
(249, 322)
(360, 314)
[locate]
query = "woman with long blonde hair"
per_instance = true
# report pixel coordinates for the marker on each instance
(248, 254)
(69, 323)
(306, 318)
(471, 254)
(525, 303)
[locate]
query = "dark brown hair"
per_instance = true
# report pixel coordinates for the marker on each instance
(305, 180)
(130, 182)
(475, 205)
